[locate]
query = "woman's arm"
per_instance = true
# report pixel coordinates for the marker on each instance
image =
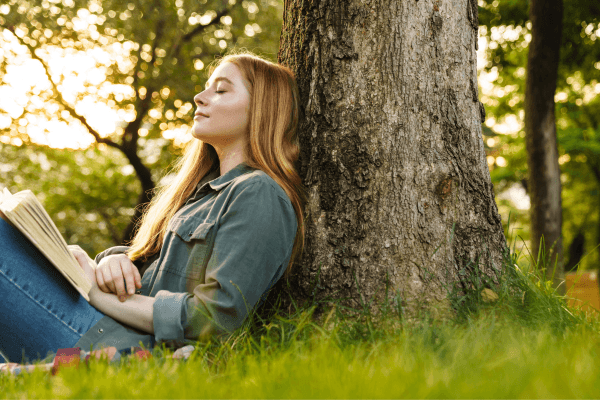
(136, 311)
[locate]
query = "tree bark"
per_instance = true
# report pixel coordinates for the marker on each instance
(399, 191)
(540, 132)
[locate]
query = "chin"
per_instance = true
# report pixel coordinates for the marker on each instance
(198, 134)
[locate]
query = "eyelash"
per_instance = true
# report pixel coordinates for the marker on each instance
(219, 91)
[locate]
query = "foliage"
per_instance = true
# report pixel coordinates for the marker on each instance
(506, 29)
(524, 344)
(139, 50)
(87, 193)
(117, 74)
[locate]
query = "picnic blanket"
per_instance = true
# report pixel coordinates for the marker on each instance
(74, 357)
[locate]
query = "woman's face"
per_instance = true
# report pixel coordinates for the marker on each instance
(221, 118)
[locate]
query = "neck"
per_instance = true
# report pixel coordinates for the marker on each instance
(230, 156)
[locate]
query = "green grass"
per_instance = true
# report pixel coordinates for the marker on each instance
(526, 344)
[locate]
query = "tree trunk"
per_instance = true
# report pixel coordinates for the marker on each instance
(399, 189)
(146, 193)
(576, 252)
(540, 132)
(595, 167)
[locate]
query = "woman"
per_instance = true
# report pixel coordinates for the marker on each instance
(208, 248)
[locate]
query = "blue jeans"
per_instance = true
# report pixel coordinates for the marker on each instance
(40, 312)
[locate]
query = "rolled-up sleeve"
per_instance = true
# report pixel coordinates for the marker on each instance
(168, 313)
(253, 241)
(110, 251)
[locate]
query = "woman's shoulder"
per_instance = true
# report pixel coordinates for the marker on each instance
(257, 193)
(260, 181)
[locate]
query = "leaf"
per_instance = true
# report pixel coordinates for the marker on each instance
(488, 295)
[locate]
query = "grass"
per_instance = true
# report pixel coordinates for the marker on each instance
(524, 344)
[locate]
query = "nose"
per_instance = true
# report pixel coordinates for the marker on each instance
(199, 99)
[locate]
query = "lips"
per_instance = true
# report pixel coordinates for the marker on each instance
(199, 114)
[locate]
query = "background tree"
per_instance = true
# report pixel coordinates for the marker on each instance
(392, 152)
(506, 29)
(146, 63)
(540, 136)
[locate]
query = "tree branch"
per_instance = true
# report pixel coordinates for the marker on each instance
(197, 30)
(59, 97)
(200, 28)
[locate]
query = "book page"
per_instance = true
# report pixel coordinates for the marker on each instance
(40, 215)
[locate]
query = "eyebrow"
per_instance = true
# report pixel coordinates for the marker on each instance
(221, 78)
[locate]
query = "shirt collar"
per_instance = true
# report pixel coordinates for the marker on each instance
(224, 180)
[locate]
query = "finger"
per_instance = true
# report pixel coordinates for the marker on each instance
(117, 275)
(100, 281)
(82, 260)
(108, 279)
(128, 275)
(138, 277)
(77, 252)
(78, 257)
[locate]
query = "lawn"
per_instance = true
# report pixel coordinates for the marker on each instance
(524, 344)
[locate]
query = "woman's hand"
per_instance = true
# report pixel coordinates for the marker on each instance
(87, 264)
(117, 274)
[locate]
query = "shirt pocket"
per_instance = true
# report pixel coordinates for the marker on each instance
(189, 229)
(192, 247)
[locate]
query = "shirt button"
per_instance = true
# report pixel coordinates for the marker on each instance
(100, 330)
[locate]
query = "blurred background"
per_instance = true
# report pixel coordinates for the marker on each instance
(96, 103)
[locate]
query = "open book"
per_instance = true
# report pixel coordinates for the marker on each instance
(23, 211)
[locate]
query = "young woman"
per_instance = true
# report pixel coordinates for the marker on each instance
(210, 245)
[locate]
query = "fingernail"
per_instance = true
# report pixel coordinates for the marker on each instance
(131, 291)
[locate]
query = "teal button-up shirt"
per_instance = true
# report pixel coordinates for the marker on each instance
(228, 244)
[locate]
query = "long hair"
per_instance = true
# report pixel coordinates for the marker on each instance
(272, 147)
